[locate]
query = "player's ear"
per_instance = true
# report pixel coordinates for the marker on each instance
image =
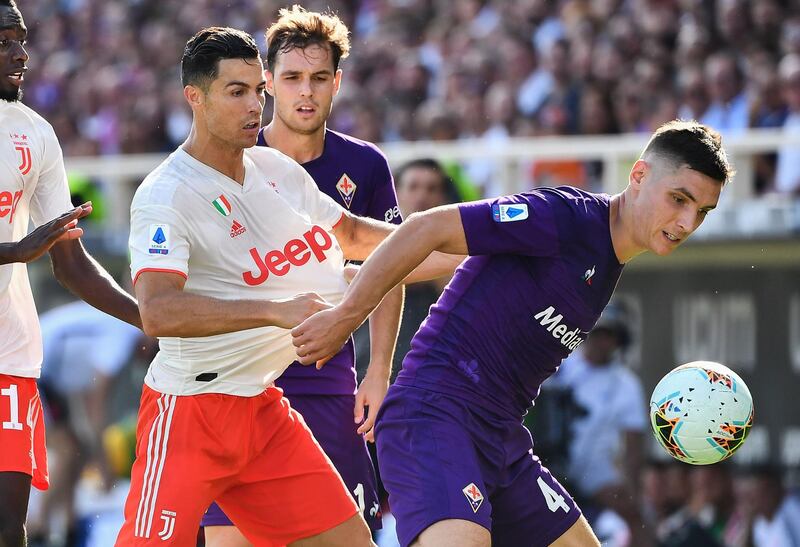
(194, 95)
(337, 81)
(270, 79)
(638, 173)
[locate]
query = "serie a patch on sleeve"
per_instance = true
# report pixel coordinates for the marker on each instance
(159, 239)
(509, 212)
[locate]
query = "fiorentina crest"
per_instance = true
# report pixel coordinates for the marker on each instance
(22, 146)
(347, 189)
(474, 496)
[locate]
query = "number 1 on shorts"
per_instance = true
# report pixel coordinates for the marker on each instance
(11, 393)
(358, 492)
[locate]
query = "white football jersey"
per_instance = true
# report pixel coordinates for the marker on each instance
(269, 238)
(33, 185)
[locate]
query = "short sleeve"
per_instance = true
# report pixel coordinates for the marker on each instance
(383, 202)
(319, 206)
(51, 196)
(517, 224)
(631, 405)
(159, 241)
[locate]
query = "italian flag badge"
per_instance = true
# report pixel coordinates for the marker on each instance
(222, 205)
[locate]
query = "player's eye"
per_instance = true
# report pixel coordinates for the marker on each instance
(677, 199)
(4, 42)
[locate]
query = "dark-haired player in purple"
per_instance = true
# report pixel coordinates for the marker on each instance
(303, 76)
(454, 456)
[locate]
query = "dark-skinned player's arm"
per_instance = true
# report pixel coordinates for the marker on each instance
(438, 229)
(39, 241)
(84, 277)
(168, 310)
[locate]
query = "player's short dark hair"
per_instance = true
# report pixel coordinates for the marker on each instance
(298, 28)
(694, 145)
(448, 186)
(204, 51)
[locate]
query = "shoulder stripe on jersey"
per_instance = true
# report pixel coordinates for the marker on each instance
(341, 218)
(160, 270)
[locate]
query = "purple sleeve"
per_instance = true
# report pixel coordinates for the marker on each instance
(383, 203)
(518, 224)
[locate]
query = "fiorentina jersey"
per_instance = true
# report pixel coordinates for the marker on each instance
(541, 269)
(33, 186)
(269, 238)
(356, 175)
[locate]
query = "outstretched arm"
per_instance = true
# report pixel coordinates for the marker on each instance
(44, 237)
(167, 310)
(438, 229)
(77, 271)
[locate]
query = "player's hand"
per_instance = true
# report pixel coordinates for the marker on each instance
(370, 393)
(45, 236)
(293, 311)
(320, 336)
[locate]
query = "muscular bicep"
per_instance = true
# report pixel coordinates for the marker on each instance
(154, 288)
(358, 236)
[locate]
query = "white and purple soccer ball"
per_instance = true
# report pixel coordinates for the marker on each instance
(701, 412)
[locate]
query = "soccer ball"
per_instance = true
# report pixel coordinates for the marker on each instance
(701, 412)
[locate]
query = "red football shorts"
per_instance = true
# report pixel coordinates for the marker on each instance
(254, 455)
(22, 430)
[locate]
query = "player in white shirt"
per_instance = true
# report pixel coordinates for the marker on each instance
(33, 187)
(223, 238)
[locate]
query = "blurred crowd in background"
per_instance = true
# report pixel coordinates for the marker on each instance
(105, 72)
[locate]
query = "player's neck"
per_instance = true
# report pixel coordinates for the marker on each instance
(217, 154)
(621, 225)
(301, 147)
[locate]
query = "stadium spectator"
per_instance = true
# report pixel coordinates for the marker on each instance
(729, 107)
(421, 185)
(84, 352)
(777, 512)
(607, 444)
(410, 55)
(787, 177)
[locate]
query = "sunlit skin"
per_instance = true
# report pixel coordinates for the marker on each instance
(227, 115)
(661, 208)
(303, 83)
(13, 56)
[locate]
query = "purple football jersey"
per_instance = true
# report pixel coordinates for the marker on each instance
(356, 175)
(541, 269)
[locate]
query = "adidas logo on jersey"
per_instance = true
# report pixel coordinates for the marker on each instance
(569, 340)
(237, 229)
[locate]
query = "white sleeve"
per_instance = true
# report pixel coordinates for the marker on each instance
(51, 196)
(319, 206)
(159, 241)
(632, 409)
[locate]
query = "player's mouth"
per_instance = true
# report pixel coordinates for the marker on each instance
(17, 76)
(306, 111)
(252, 127)
(671, 237)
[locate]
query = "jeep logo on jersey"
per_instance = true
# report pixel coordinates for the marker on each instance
(22, 146)
(569, 340)
(295, 253)
(8, 204)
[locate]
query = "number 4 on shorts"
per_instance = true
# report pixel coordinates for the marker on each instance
(555, 501)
